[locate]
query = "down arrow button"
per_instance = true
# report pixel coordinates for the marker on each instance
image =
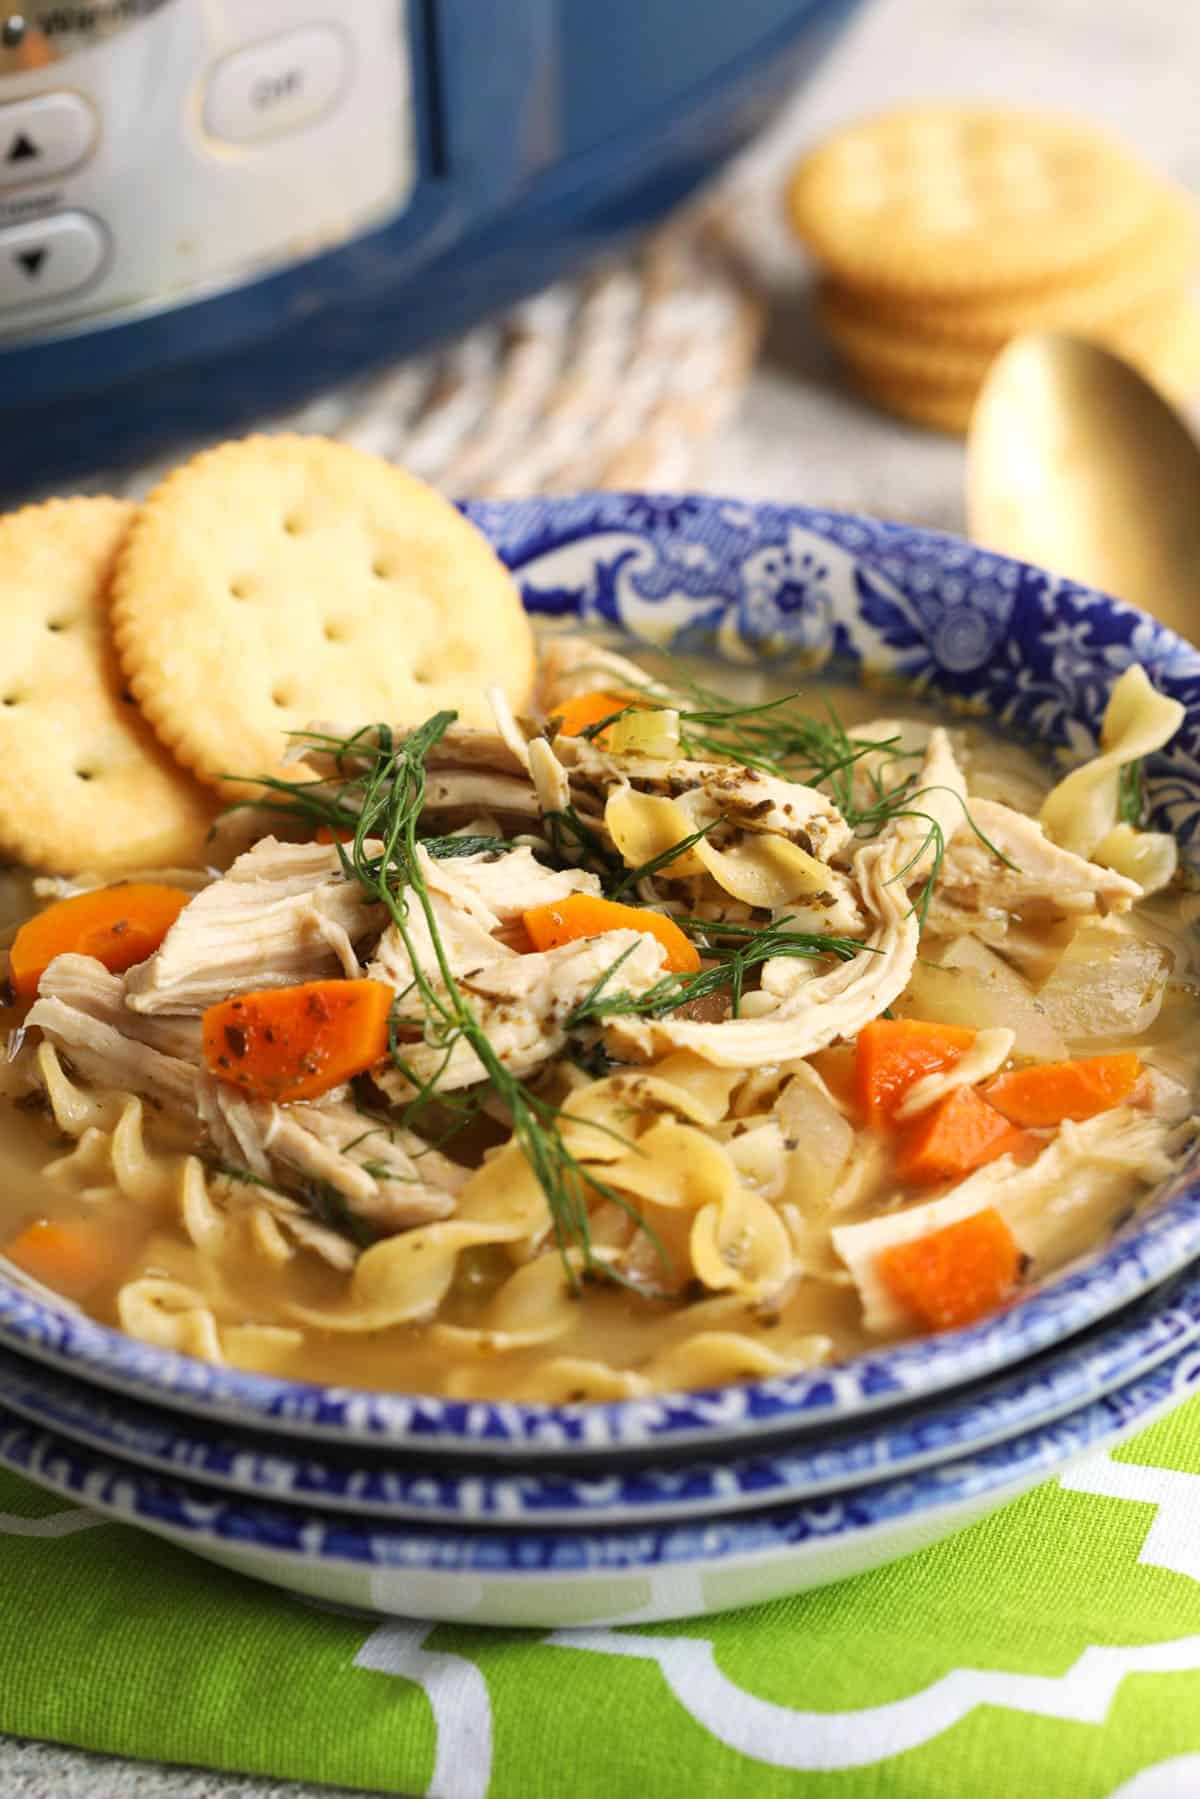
(45, 259)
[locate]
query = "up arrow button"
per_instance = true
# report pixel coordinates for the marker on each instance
(43, 137)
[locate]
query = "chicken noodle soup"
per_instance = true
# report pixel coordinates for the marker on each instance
(660, 1040)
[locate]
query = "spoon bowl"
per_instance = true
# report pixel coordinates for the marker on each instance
(1076, 463)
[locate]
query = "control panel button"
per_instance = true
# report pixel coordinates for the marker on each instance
(44, 136)
(276, 87)
(46, 258)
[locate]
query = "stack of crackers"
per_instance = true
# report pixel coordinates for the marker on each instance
(945, 230)
(152, 653)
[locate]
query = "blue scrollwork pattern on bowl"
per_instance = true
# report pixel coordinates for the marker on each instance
(195, 1514)
(1160, 1326)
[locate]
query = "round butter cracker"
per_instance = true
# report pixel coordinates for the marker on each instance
(951, 199)
(1153, 339)
(84, 783)
(1153, 265)
(945, 409)
(278, 580)
(1164, 346)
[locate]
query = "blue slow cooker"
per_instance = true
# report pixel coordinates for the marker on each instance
(209, 209)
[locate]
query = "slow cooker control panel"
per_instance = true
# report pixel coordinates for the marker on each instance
(155, 150)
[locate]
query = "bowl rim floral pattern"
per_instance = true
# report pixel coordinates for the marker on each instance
(1035, 653)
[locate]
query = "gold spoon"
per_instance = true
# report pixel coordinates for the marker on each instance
(1075, 462)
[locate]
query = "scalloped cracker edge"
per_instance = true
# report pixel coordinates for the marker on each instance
(84, 783)
(279, 579)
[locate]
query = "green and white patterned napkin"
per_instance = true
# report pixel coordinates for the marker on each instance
(1055, 1646)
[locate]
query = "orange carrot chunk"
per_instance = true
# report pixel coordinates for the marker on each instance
(583, 915)
(954, 1275)
(295, 1042)
(960, 1132)
(1051, 1092)
(584, 709)
(891, 1054)
(74, 1259)
(119, 926)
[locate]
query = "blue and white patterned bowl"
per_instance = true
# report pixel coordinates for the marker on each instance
(405, 1488)
(596, 1576)
(1037, 653)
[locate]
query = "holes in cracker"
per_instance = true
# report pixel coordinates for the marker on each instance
(57, 624)
(293, 525)
(422, 677)
(239, 589)
(382, 569)
(12, 699)
(334, 631)
(281, 697)
(85, 774)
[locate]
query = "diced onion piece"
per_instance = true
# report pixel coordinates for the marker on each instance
(644, 733)
(972, 986)
(818, 1141)
(1108, 985)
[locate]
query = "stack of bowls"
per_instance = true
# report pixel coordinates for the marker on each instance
(677, 1505)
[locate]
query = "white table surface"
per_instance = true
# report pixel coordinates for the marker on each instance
(1131, 64)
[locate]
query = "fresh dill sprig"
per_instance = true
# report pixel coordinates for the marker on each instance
(645, 870)
(321, 1200)
(575, 844)
(317, 803)
(739, 949)
(774, 736)
(443, 849)
(591, 732)
(390, 785)
(1131, 794)
(899, 802)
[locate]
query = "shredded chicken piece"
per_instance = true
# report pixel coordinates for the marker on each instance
(85, 984)
(495, 888)
(550, 780)
(812, 1013)
(468, 770)
(387, 1177)
(277, 1221)
(82, 1010)
(472, 898)
(460, 790)
(1053, 1208)
(522, 1003)
(507, 727)
(462, 746)
(228, 1117)
(284, 913)
(465, 945)
(972, 878)
(571, 665)
(103, 1055)
(1162, 1095)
